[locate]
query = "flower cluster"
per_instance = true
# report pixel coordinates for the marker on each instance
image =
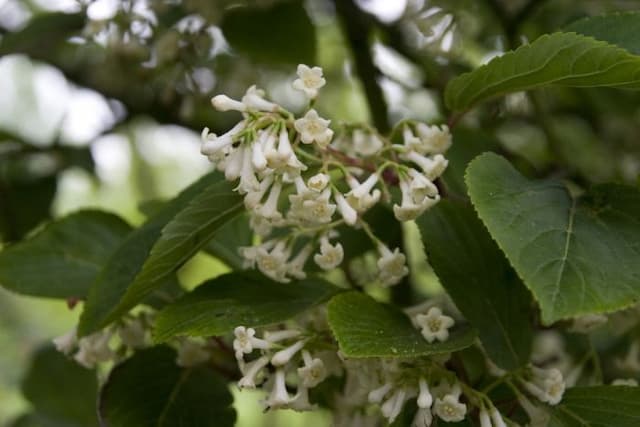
(300, 183)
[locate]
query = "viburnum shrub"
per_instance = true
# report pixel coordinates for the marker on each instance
(327, 228)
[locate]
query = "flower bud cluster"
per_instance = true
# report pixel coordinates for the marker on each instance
(300, 183)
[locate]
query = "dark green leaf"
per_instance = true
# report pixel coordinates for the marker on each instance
(57, 26)
(480, 281)
(602, 406)
(621, 29)
(24, 204)
(367, 328)
(62, 259)
(228, 239)
(34, 419)
(241, 298)
(61, 390)
(279, 33)
(153, 252)
(565, 59)
(150, 390)
(577, 255)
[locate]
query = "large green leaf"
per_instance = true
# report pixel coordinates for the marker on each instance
(566, 59)
(622, 29)
(226, 241)
(241, 298)
(60, 390)
(279, 33)
(602, 406)
(480, 281)
(152, 253)
(367, 328)
(577, 255)
(62, 259)
(150, 390)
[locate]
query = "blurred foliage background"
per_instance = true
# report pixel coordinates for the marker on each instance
(102, 102)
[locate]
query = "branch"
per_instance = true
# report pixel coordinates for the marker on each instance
(357, 29)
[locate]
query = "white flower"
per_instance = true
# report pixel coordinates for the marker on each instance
(318, 182)
(312, 208)
(66, 343)
(449, 409)
(313, 372)
(133, 334)
(349, 214)
(313, 128)
(191, 353)
(538, 416)
(248, 181)
(425, 400)
(277, 336)
(433, 139)
(212, 144)
(392, 265)
(497, 418)
(253, 99)
(547, 385)
(376, 395)
(233, 163)
(309, 80)
(94, 349)
(253, 198)
(361, 197)
(629, 382)
(393, 406)
(418, 195)
(269, 209)
(279, 158)
(365, 143)
(224, 103)
(484, 418)
(279, 397)
(258, 159)
(423, 418)
(330, 256)
(245, 341)
(283, 357)
(295, 268)
(251, 371)
(435, 325)
(587, 323)
(433, 167)
(300, 401)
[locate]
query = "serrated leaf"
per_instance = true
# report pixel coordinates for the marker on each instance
(240, 298)
(601, 406)
(367, 328)
(621, 29)
(153, 252)
(281, 33)
(577, 255)
(480, 281)
(565, 59)
(63, 258)
(61, 391)
(150, 390)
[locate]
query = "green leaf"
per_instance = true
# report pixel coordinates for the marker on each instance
(281, 33)
(63, 258)
(150, 390)
(240, 298)
(577, 255)
(565, 59)
(480, 281)
(367, 328)
(57, 26)
(61, 390)
(621, 29)
(35, 419)
(601, 406)
(228, 239)
(152, 253)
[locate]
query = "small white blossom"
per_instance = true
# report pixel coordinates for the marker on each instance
(547, 385)
(330, 256)
(538, 416)
(313, 128)
(432, 167)
(313, 372)
(133, 334)
(191, 353)
(433, 139)
(365, 143)
(362, 197)
(435, 325)
(318, 182)
(484, 418)
(253, 99)
(300, 401)
(283, 357)
(423, 418)
(94, 349)
(245, 341)
(212, 144)
(392, 265)
(295, 268)
(629, 382)
(67, 342)
(376, 395)
(250, 372)
(309, 80)
(425, 399)
(497, 418)
(349, 214)
(392, 407)
(279, 397)
(449, 409)
(277, 336)
(269, 209)
(418, 195)
(253, 198)
(224, 103)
